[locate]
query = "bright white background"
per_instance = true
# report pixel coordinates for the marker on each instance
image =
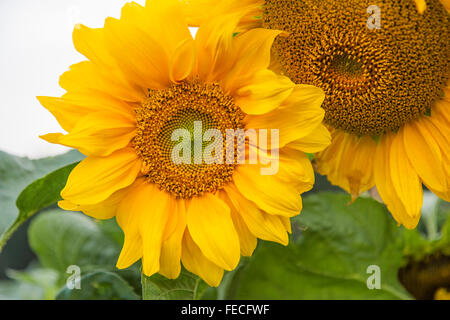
(35, 49)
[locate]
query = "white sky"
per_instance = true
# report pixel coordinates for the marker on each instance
(35, 49)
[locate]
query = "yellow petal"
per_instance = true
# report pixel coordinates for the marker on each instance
(214, 41)
(103, 210)
(287, 224)
(172, 246)
(66, 114)
(348, 162)
(262, 225)
(131, 252)
(405, 180)
(89, 77)
(437, 129)
(251, 52)
(97, 178)
(277, 194)
(98, 134)
(247, 240)
(299, 115)
(269, 193)
(130, 222)
(72, 107)
(385, 186)
(195, 262)
(211, 227)
(141, 58)
(183, 62)
(154, 207)
(316, 141)
(266, 92)
(153, 20)
(197, 10)
(200, 11)
(421, 5)
(446, 4)
(91, 43)
(424, 154)
(154, 45)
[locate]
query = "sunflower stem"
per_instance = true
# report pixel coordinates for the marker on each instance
(8, 233)
(148, 288)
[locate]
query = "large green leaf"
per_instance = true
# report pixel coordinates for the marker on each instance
(16, 174)
(328, 257)
(186, 287)
(99, 285)
(61, 239)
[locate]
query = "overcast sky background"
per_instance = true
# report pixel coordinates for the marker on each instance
(35, 49)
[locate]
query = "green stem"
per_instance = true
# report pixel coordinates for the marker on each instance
(8, 233)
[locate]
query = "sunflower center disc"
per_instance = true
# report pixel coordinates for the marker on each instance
(194, 108)
(375, 80)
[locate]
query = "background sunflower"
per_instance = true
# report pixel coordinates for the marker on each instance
(386, 87)
(332, 250)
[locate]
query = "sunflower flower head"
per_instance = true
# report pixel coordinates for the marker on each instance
(385, 70)
(152, 108)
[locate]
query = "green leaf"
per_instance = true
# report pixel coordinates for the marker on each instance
(15, 174)
(99, 285)
(186, 287)
(43, 192)
(44, 279)
(37, 196)
(420, 245)
(111, 229)
(329, 255)
(35, 283)
(61, 239)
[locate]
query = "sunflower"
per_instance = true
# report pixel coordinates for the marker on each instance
(442, 294)
(387, 88)
(146, 78)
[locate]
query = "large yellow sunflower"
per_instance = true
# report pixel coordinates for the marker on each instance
(146, 77)
(385, 68)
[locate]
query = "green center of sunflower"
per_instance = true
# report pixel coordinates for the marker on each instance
(171, 129)
(375, 80)
(346, 65)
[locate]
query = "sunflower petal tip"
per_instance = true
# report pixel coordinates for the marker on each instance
(52, 137)
(43, 99)
(68, 206)
(421, 6)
